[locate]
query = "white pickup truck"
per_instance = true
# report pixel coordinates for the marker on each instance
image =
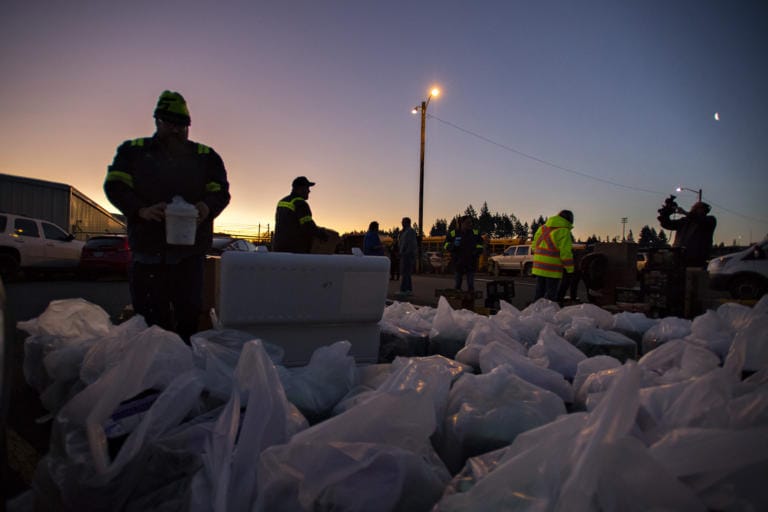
(28, 243)
(515, 258)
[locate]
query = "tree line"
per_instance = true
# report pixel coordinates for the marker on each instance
(508, 225)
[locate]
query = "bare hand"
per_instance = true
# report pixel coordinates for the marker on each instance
(202, 211)
(156, 212)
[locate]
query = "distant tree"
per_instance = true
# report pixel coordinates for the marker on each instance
(647, 237)
(592, 239)
(439, 228)
(630, 237)
(536, 223)
(520, 229)
(662, 237)
(505, 226)
(485, 222)
(470, 211)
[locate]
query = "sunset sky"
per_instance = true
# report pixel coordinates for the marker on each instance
(601, 107)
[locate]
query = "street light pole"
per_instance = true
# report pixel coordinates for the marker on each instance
(421, 184)
(420, 235)
(680, 189)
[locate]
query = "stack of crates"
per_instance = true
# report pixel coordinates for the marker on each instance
(496, 291)
(663, 282)
(459, 299)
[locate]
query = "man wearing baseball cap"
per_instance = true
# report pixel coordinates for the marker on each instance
(166, 280)
(294, 227)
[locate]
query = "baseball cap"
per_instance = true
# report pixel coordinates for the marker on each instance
(302, 181)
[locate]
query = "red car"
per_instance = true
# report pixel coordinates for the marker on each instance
(105, 254)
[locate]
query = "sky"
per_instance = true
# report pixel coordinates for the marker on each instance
(600, 107)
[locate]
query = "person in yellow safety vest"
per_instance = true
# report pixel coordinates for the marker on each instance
(465, 247)
(552, 254)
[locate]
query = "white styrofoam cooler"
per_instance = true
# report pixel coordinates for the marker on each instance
(304, 301)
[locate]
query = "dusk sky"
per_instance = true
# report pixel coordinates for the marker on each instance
(601, 107)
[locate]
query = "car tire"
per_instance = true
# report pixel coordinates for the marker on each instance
(528, 269)
(747, 288)
(9, 265)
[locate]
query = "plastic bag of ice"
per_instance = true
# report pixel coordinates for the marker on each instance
(495, 354)
(633, 325)
(602, 318)
(488, 411)
(484, 332)
(154, 360)
(577, 463)
(725, 467)
(320, 385)
(669, 328)
(553, 352)
(375, 457)
(69, 318)
(679, 360)
(449, 330)
(594, 342)
(711, 330)
(227, 480)
(591, 365)
(754, 333)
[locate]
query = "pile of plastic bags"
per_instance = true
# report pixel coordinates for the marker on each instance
(542, 409)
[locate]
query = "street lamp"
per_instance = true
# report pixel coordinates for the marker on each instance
(680, 189)
(423, 109)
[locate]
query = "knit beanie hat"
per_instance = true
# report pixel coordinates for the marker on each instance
(172, 107)
(567, 215)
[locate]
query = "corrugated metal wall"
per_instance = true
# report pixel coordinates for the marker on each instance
(61, 204)
(87, 218)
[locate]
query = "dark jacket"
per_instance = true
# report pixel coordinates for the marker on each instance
(694, 233)
(143, 174)
(294, 227)
(465, 247)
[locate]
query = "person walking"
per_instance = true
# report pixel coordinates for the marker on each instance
(465, 247)
(552, 254)
(166, 280)
(294, 227)
(372, 245)
(408, 248)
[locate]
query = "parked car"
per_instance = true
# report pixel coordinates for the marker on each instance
(515, 258)
(744, 274)
(226, 243)
(105, 254)
(27, 243)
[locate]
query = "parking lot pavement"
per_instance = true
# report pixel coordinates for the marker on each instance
(425, 285)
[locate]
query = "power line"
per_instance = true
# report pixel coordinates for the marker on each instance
(573, 171)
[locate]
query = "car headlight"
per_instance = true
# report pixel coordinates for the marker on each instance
(717, 264)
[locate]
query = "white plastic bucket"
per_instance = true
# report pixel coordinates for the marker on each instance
(180, 222)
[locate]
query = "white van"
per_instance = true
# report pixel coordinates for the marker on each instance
(744, 274)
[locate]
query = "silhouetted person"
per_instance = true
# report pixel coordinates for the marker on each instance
(166, 281)
(693, 232)
(294, 227)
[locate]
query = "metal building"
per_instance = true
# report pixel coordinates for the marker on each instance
(61, 204)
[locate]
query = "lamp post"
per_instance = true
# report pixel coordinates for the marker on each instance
(423, 109)
(680, 189)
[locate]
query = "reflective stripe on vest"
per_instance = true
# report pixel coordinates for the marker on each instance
(546, 255)
(202, 149)
(137, 142)
(213, 186)
(120, 176)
